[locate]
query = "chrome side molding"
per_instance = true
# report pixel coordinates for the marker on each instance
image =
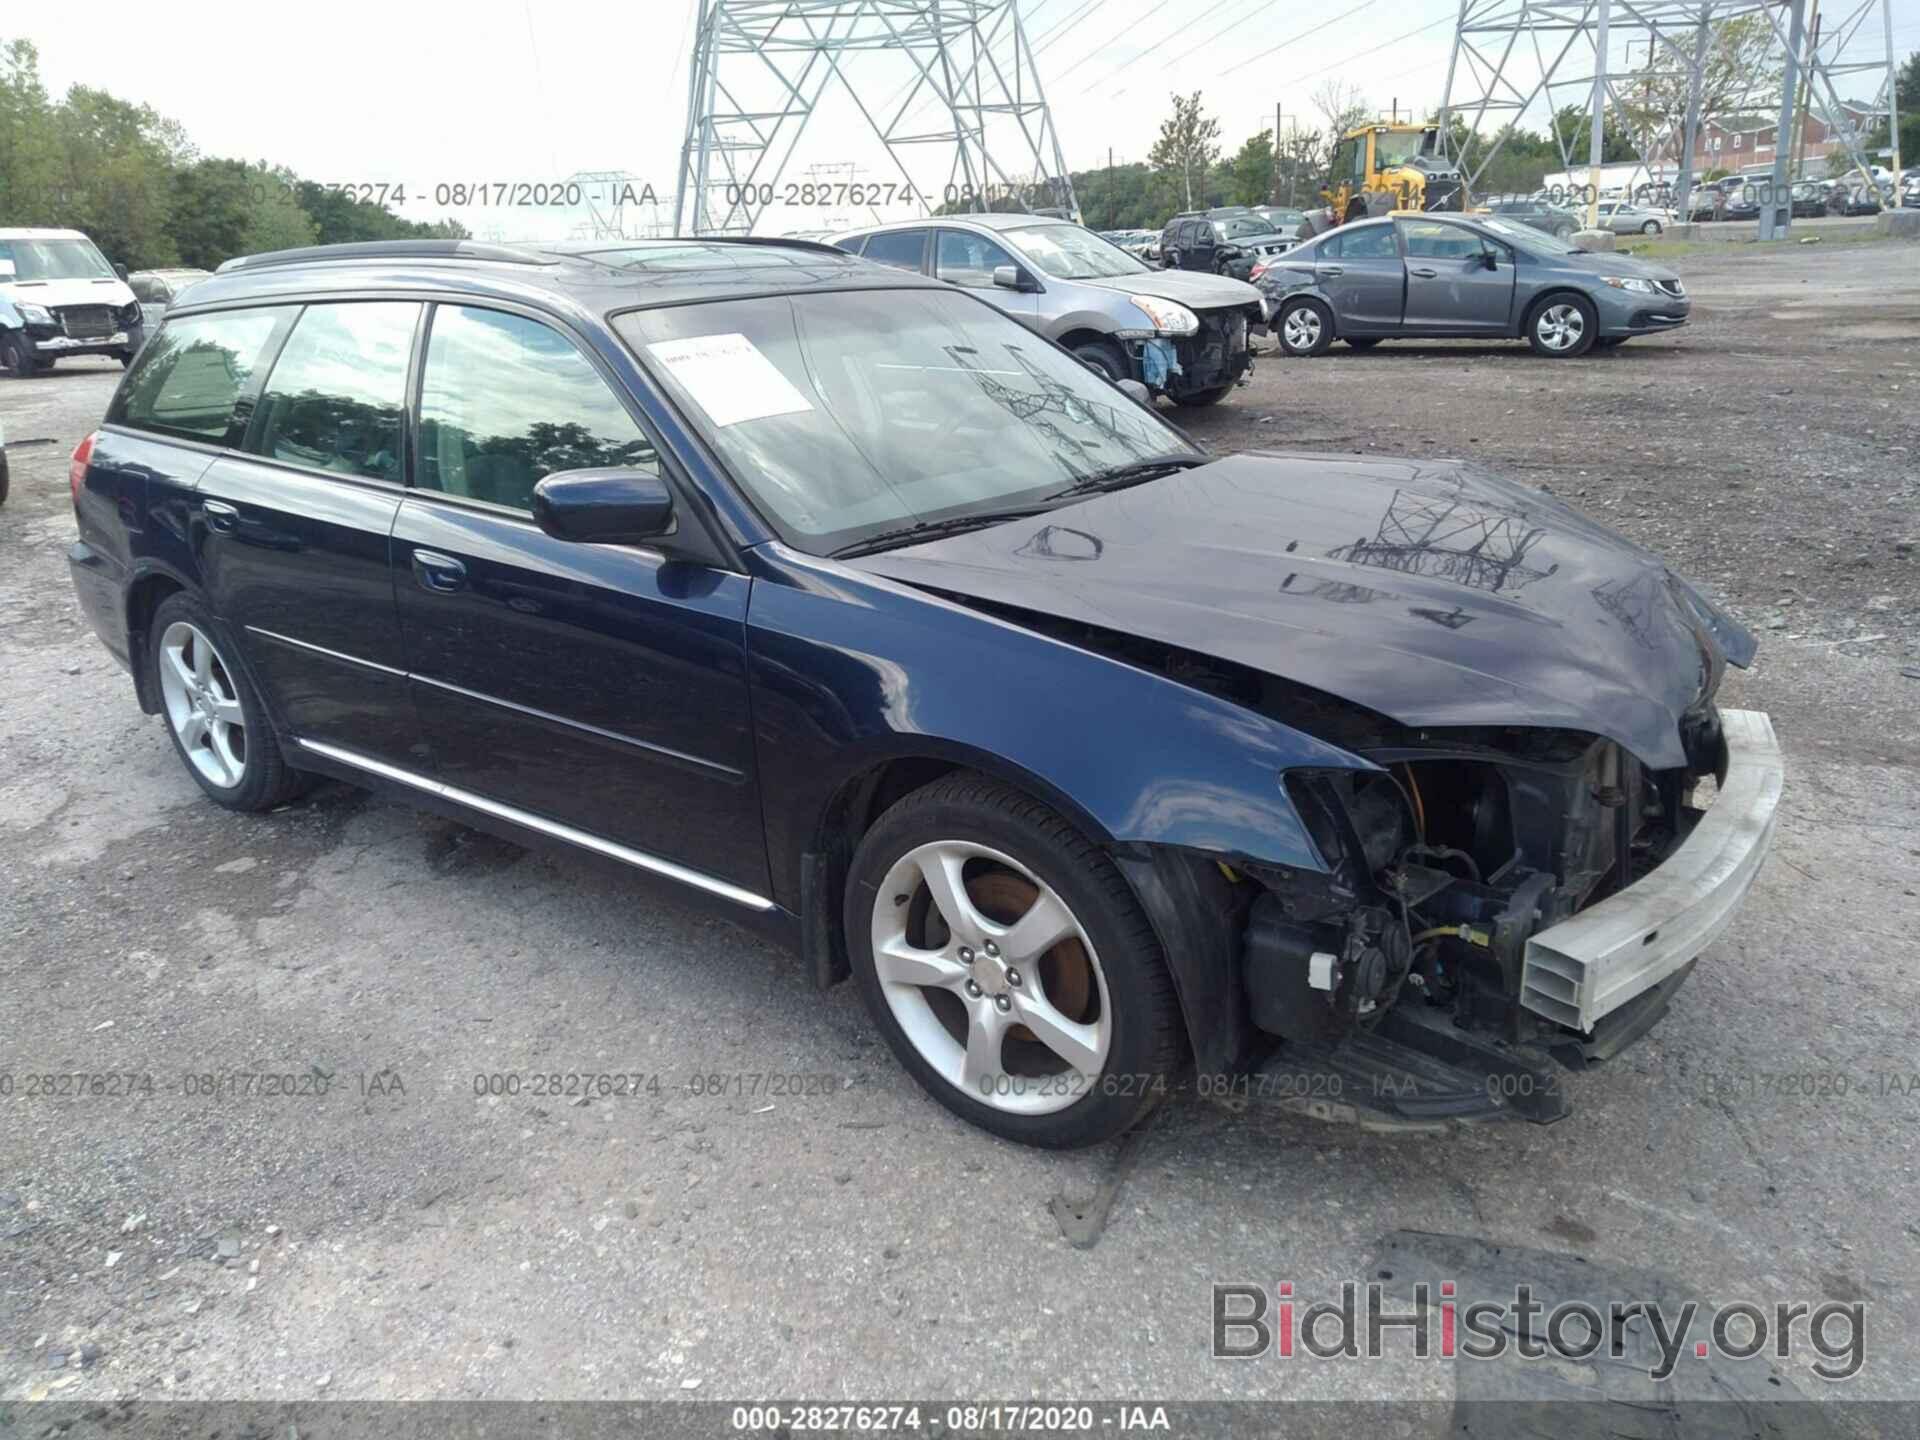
(612, 849)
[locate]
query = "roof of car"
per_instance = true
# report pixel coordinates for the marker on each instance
(32, 234)
(594, 276)
(986, 220)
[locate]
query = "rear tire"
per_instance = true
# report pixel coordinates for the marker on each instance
(1652, 227)
(1562, 326)
(1304, 328)
(1070, 1036)
(216, 720)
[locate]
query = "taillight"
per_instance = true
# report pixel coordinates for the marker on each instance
(77, 467)
(1257, 271)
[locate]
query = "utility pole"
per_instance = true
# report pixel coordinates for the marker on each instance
(1776, 215)
(1596, 139)
(1275, 192)
(1893, 98)
(1806, 97)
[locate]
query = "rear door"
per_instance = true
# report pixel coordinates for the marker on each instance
(294, 531)
(902, 249)
(1449, 286)
(600, 687)
(1360, 272)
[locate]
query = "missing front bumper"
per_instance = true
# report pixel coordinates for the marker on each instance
(1581, 970)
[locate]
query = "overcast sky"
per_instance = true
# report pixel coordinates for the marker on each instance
(514, 90)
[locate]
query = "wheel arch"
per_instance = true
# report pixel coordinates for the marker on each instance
(145, 593)
(1548, 296)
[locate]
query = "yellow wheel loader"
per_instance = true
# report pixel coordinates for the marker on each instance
(1381, 167)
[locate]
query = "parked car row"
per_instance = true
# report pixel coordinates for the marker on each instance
(825, 594)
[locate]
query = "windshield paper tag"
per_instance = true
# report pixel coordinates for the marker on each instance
(729, 378)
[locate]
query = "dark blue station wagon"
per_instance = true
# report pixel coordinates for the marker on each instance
(850, 606)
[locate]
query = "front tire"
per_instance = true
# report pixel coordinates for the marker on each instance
(1562, 326)
(1304, 328)
(216, 720)
(15, 358)
(1009, 966)
(1200, 399)
(1104, 356)
(1652, 227)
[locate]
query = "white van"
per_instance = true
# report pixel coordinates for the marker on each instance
(60, 297)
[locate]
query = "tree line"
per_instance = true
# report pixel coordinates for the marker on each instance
(133, 180)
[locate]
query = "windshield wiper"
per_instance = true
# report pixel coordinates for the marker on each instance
(928, 529)
(1134, 472)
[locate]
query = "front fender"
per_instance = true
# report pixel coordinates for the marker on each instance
(849, 669)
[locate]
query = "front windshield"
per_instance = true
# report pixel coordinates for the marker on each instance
(844, 414)
(1528, 238)
(1072, 252)
(1392, 148)
(1282, 216)
(1242, 228)
(55, 260)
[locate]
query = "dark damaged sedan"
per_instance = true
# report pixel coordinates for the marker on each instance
(838, 600)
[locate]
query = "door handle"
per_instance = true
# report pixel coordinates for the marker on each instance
(438, 572)
(1424, 273)
(1332, 270)
(220, 516)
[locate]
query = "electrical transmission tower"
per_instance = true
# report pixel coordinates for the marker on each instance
(607, 195)
(760, 68)
(1509, 55)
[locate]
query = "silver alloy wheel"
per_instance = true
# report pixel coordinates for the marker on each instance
(1652, 227)
(1560, 326)
(202, 705)
(998, 972)
(1302, 327)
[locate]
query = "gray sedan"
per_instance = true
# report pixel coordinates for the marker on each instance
(1182, 334)
(1430, 278)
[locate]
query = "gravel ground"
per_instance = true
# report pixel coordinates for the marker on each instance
(402, 1236)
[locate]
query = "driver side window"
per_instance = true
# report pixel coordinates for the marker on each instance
(967, 259)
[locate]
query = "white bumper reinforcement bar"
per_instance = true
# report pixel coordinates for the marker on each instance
(1587, 966)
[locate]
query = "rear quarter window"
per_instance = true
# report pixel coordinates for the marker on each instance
(191, 376)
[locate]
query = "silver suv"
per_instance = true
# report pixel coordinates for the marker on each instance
(1181, 334)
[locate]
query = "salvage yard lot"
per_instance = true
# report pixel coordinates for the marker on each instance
(726, 1231)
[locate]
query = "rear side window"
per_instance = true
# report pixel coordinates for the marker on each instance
(901, 249)
(852, 244)
(337, 398)
(506, 401)
(1374, 242)
(190, 377)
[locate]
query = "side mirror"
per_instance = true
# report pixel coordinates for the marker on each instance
(604, 507)
(1490, 259)
(120, 270)
(1012, 277)
(1135, 392)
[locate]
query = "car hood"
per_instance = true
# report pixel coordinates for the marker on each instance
(104, 291)
(1607, 262)
(1192, 288)
(1428, 591)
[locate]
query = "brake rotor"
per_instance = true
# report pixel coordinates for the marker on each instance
(1066, 974)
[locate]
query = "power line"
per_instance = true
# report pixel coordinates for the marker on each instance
(1152, 10)
(1255, 13)
(1313, 30)
(1062, 28)
(1129, 64)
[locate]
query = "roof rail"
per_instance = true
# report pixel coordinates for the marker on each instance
(769, 240)
(387, 250)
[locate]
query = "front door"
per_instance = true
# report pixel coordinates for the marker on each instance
(294, 530)
(602, 687)
(1449, 287)
(1359, 271)
(968, 260)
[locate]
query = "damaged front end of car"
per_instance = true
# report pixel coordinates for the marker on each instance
(1493, 900)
